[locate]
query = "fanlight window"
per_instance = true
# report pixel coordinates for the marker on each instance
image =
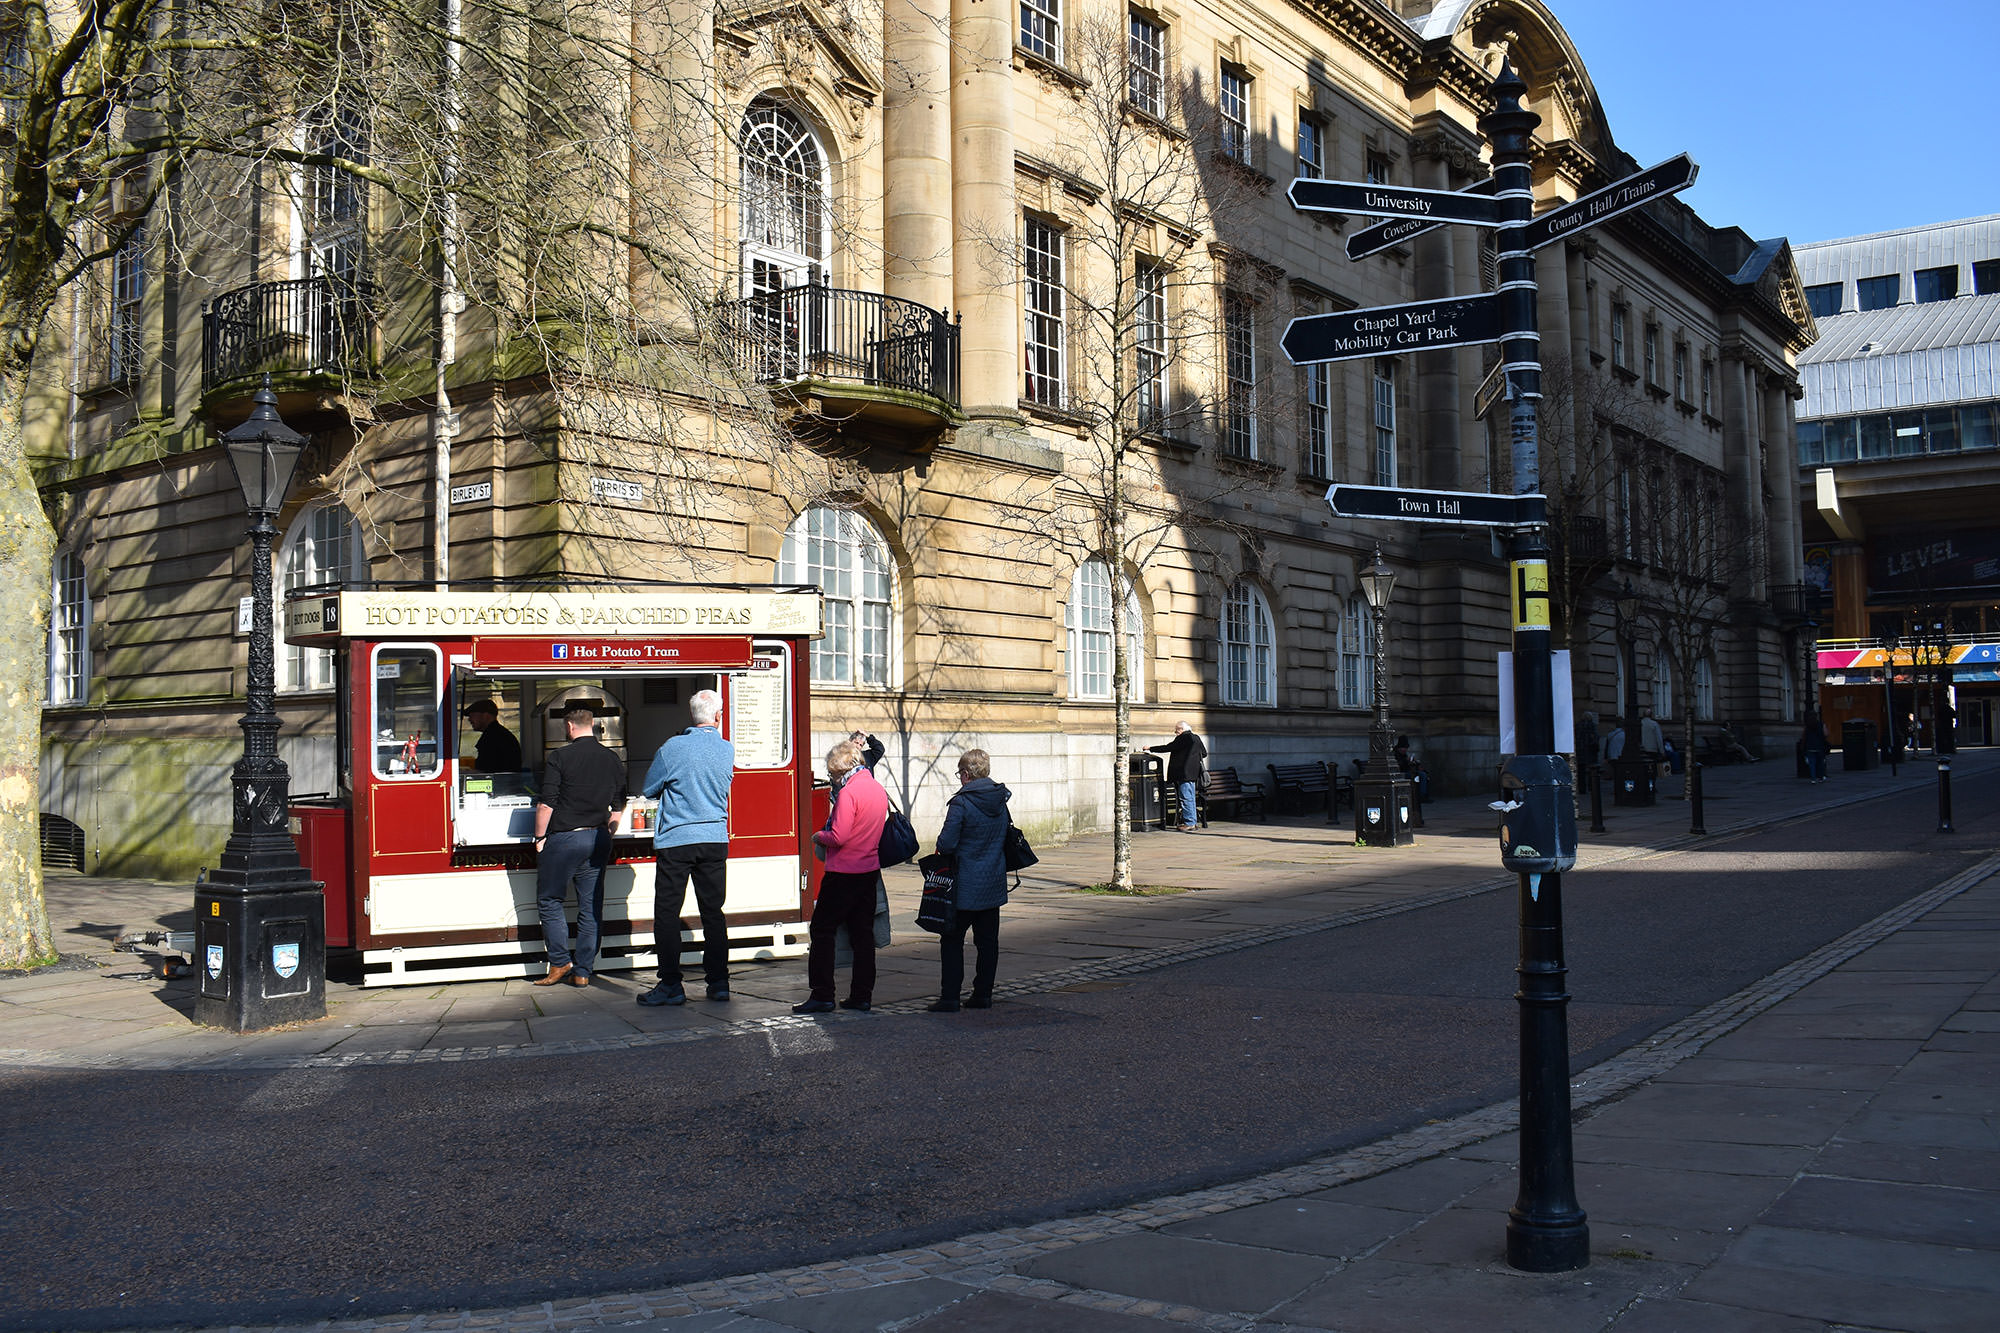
(784, 185)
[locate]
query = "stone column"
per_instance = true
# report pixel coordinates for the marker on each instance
(1780, 481)
(985, 228)
(1439, 151)
(916, 151)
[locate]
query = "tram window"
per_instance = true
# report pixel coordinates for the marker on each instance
(506, 697)
(406, 713)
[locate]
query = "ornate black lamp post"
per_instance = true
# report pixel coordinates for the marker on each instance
(1383, 798)
(260, 919)
(1632, 774)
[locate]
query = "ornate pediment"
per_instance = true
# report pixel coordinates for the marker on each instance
(804, 43)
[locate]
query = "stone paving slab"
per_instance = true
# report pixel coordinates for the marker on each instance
(1179, 1270)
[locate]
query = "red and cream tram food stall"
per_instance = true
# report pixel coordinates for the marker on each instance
(429, 864)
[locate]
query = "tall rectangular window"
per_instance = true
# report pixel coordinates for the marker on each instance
(1824, 299)
(1708, 387)
(1234, 106)
(1239, 331)
(1628, 528)
(1376, 168)
(1937, 284)
(1046, 332)
(1652, 354)
(1146, 55)
(1986, 276)
(126, 335)
(1618, 336)
(1879, 293)
(1318, 433)
(1041, 28)
(1312, 146)
(1680, 372)
(69, 633)
(1385, 422)
(1150, 344)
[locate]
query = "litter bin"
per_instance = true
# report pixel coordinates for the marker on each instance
(1148, 792)
(1858, 748)
(1632, 781)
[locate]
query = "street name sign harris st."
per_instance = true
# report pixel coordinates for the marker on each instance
(1456, 321)
(1433, 506)
(1394, 201)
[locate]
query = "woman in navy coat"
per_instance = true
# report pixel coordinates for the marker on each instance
(975, 833)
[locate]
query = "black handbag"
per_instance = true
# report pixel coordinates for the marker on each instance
(898, 842)
(1018, 853)
(938, 910)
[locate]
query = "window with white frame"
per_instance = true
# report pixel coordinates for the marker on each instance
(1239, 329)
(1249, 649)
(1312, 145)
(1652, 354)
(1357, 654)
(1628, 527)
(1146, 62)
(1618, 315)
(1704, 689)
(1680, 372)
(1150, 344)
(1708, 387)
(322, 547)
(1234, 107)
(1087, 618)
(1375, 167)
(1041, 28)
(69, 633)
(1318, 433)
(1046, 315)
(126, 337)
(1663, 683)
(1788, 692)
(1385, 422)
(783, 219)
(336, 212)
(841, 553)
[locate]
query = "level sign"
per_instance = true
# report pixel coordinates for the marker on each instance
(1669, 177)
(1457, 321)
(1394, 201)
(1384, 235)
(1434, 506)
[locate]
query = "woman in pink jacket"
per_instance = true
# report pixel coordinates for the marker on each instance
(847, 888)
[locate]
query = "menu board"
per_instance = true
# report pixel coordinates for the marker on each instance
(757, 723)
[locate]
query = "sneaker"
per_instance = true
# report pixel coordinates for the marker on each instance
(859, 1006)
(813, 1007)
(718, 992)
(663, 995)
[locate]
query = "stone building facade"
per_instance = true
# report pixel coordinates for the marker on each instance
(933, 368)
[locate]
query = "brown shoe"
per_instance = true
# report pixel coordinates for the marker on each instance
(579, 978)
(555, 974)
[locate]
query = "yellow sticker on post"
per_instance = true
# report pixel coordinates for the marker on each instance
(1531, 594)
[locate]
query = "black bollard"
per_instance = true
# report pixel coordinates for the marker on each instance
(1944, 795)
(1596, 778)
(1694, 794)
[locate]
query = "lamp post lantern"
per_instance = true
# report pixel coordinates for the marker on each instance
(1384, 800)
(260, 919)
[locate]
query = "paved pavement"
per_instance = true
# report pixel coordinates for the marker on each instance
(1819, 1150)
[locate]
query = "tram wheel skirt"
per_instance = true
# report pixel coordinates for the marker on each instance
(414, 965)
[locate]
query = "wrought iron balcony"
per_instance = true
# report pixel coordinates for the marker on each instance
(302, 325)
(830, 337)
(1797, 603)
(1579, 538)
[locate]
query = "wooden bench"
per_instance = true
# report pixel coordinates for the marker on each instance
(1716, 750)
(1229, 792)
(1303, 784)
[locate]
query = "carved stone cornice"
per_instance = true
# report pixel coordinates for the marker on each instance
(1436, 137)
(1362, 24)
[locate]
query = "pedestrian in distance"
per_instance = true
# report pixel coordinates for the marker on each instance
(1185, 757)
(583, 791)
(975, 836)
(691, 776)
(852, 845)
(1812, 743)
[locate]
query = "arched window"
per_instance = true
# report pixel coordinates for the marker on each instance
(322, 547)
(1704, 689)
(1088, 620)
(843, 554)
(1663, 683)
(1357, 649)
(784, 200)
(1249, 650)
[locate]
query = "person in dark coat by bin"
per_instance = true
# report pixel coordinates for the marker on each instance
(975, 832)
(1185, 753)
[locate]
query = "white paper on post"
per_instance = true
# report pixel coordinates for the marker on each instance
(1564, 702)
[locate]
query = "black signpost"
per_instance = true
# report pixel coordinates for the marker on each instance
(1456, 321)
(1546, 1229)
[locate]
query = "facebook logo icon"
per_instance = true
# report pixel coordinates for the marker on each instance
(558, 651)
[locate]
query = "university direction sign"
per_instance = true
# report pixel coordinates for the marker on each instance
(1410, 506)
(1457, 321)
(1394, 201)
(1670, 177)
(1386, 235)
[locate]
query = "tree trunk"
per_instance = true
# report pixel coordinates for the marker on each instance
(27, 549)
(1121, 689)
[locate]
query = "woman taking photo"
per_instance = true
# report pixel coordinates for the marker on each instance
(975, 832)
(847, 888)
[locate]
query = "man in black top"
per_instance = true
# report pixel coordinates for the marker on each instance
(1185, 754)
(498, 751)
(583, 793)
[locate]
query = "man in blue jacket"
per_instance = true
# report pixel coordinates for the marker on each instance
(691, 776)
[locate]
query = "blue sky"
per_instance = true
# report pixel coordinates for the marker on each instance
(1811, 119)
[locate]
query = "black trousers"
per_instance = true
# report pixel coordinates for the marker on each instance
(706, 863)
(844, 900)
(985, 927)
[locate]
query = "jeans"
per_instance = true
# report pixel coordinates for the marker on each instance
(985, 927)
(1186, 791)
(579, 855)
(707, 864)
(845, 899)
(1815, 765)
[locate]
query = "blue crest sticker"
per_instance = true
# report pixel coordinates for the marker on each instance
(215, 960)
(285, 958)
